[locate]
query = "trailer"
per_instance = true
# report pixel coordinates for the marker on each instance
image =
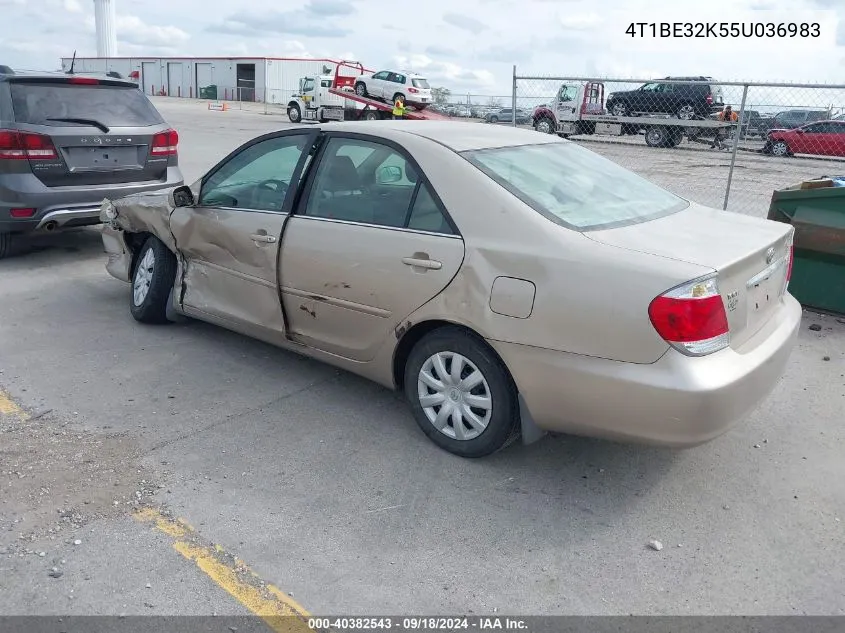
(333, 98)
(578, 109)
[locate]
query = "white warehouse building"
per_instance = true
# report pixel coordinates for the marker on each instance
(263, 79)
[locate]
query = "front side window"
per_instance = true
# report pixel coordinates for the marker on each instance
(574, 186)
(257, 177)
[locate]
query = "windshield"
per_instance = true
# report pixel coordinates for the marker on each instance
(112, 106)
(574, 186)
(420, 83)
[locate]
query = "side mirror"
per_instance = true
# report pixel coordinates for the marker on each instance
(182, 197)
(388, 175)
(800, 130)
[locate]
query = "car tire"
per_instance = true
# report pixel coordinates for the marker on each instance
(686, 112)
(620, 108)
(396, 96)
(502, 423)
(780, 148)
(494, 119)
(152, 282)
(294, 113)
(5, 244)
(361, 89)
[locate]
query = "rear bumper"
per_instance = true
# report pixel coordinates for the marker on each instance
(676, 401)
(58, 207)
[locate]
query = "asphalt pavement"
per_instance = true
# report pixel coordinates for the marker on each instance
(184, 469)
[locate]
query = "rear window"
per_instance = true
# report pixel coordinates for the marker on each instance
(112, 106)
(420, 83)
(575, 187)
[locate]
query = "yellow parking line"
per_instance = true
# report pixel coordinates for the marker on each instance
(10, 407)
(281, 613)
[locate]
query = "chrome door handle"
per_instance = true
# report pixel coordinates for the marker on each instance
(258, 237)
(430, 264)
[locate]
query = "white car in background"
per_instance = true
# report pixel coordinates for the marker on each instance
(388, 84)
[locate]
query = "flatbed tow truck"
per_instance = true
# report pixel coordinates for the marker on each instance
(332, 98)
(579, 109)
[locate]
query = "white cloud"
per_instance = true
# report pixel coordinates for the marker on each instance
(465, 47)
(580, 21)
(446, 73)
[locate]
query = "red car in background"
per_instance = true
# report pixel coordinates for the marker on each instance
(822, 138)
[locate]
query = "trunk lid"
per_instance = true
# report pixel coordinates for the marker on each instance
(751, 256)
(102, 130)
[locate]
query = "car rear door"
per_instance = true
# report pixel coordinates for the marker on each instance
(99, 132)
(369, 243)
(230, 238)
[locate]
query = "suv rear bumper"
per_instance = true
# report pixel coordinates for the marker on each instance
(58, 207)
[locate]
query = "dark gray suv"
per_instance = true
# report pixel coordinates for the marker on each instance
(68, 141)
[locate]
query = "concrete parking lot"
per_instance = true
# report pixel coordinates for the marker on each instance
(154, 470)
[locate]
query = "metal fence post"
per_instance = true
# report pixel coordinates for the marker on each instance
(513, 98)
(737, 134)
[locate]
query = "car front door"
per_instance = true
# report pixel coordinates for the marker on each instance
(810, 139)
(230, 238)
(567, 105)
(368, 244)
(394, 84)
(646, 98)
(379, 81)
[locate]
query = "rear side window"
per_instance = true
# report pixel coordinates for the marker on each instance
(112, 106)
(574, 186)
(420, 83)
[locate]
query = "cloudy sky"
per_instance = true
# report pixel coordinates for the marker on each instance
(467, 46)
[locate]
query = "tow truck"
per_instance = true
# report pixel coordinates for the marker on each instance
(332, 98)
(579, 109)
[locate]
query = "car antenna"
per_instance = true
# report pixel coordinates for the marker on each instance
(72, 63)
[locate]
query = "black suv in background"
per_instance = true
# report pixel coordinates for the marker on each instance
(68, 141)
(683, 100)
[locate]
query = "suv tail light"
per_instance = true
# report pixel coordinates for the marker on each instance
(165, 143)
(709, 98)
(86, 81)
(15, 145)
(692, 317)
(413, 91)
(790, 253)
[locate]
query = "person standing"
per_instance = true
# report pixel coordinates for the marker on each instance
(725, 115)
(399, 107)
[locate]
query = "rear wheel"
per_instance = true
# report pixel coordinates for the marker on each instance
(294, 113)
(494, 119)
(686, 112)
(461, 394)
(657, 137)
(361, 89)
(371, 116)
(5, 244)
(152, 281)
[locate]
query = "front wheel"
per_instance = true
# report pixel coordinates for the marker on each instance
(494, 119)
(461, 395)
(780, 148)
(546, 126)
(294, 113)
(152, 281)
(361, 89)
(620, 108)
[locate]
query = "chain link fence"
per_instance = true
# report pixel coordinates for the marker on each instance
(728, 145)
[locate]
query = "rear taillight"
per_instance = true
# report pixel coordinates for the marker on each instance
(15, 145)
(790, 254)
(709, 99)
(165, 143)
(692, 317)
(413, 90)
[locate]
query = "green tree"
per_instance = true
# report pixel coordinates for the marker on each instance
(441, 95)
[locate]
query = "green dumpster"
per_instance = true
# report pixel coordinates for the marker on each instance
(816, 208)
(208, 92)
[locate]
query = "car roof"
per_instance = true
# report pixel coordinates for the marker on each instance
(30, 74)
(458, 136)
